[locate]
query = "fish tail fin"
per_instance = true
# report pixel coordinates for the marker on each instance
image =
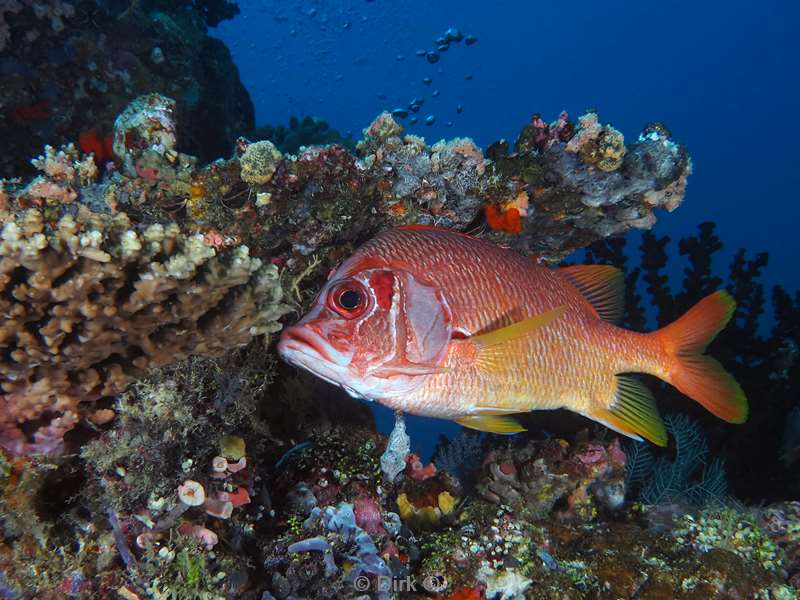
(696, 375)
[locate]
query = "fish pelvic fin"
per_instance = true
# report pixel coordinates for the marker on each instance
(633, 412)
(501, 424)
(695, 374)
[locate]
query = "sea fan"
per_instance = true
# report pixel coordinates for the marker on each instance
(689, 477)
(639, 464)
(712, 487)
(459, 456)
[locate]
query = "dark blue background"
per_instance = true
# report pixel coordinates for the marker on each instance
(722, 76)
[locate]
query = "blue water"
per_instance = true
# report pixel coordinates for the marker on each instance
(722, 76)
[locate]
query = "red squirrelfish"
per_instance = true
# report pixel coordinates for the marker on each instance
(437, 323)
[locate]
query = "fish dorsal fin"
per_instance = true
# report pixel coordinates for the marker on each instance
(492, 423)
(633, 412)
(420, 227)
(517, 330)
(602, 285)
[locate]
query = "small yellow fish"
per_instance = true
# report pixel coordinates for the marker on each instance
(437, 323)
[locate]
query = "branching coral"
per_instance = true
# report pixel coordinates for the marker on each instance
(93, 303)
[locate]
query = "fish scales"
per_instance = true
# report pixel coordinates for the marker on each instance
(438, 323)
(570, 364)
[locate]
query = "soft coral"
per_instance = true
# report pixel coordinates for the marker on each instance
(506, 220)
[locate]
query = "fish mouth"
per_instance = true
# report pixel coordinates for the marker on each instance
(304, 341)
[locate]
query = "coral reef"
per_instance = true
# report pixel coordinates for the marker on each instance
(731, 530)
(93, 298)
(320, 523)
(161, 258)
(93, 304)
(576, 479)
(139, 285)
(571, 184)
(308, 131)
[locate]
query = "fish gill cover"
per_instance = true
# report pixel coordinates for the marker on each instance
(153, 242)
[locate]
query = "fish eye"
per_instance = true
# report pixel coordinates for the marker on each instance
(349, 299)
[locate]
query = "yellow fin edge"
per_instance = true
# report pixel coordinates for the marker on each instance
(633, 412)
(492, 423)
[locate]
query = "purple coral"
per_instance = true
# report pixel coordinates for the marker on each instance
(317, 544)
(368, 515)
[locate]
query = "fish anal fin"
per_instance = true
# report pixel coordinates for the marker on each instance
(633, 412)
(517, 330)
(501, 424)
(602, 285)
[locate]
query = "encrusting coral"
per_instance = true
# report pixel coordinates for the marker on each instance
(580, 478)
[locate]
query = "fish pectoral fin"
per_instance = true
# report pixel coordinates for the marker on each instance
(407, 368)
(517, 330)
(492, 423)
(633, 412)
(490, 354)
